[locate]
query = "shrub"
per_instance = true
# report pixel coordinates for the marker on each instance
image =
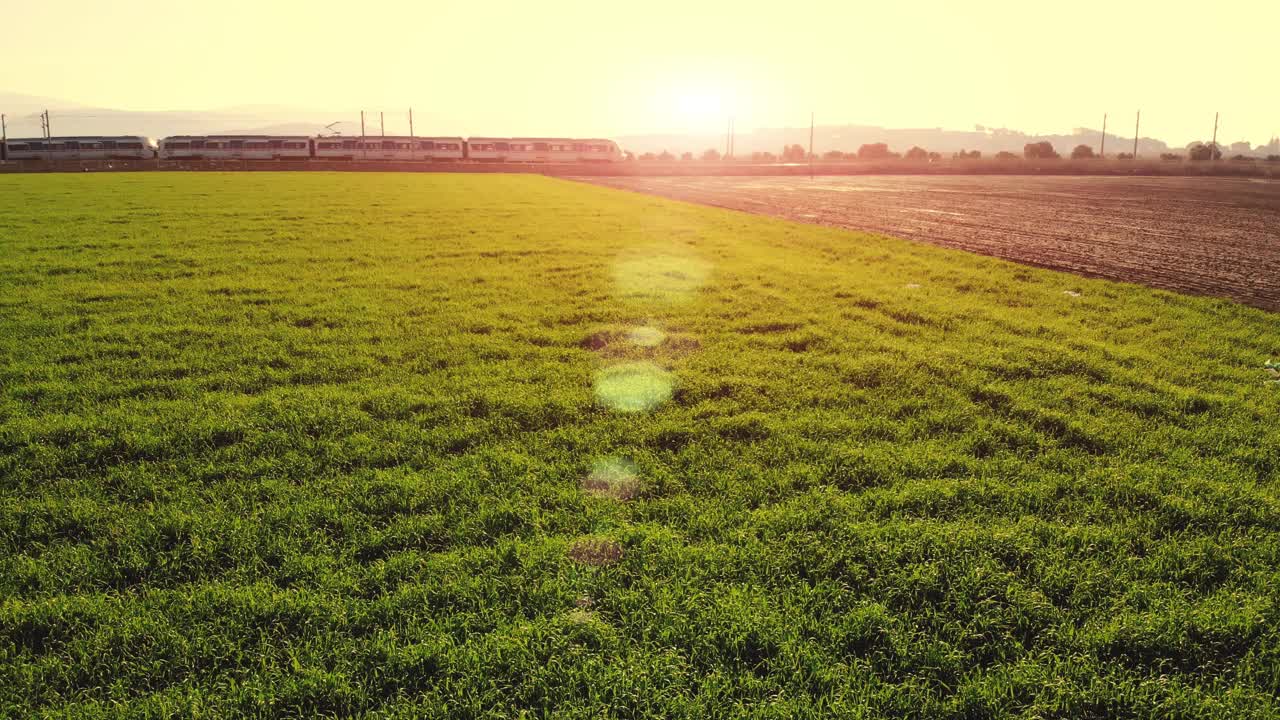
(874, 151)
(1201, 152)
(1042, 150)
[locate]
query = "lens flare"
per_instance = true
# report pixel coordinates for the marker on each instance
(633, 387)
(646, 336)
(613, 477)
(666, 276)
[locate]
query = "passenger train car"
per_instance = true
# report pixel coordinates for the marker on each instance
(212, 148)
(84, 147)
(236, 147)
(388, 148)
(391, 147)
(542, 150)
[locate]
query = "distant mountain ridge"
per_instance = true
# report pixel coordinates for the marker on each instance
(70, 118)
(848, 138)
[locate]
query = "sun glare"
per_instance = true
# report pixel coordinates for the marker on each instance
(700, 106)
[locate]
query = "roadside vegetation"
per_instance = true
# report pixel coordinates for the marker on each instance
(462, 446)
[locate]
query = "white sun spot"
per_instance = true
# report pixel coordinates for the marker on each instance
(613, 477)
(633, 387)
(646, 336)
(669, 276)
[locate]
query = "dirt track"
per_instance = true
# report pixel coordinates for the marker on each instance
(1212, 236)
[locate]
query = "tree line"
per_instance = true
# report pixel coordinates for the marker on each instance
(1042, 150)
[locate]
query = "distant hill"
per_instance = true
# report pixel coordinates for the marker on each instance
(18, 105)
(848, 138)
(71, 118)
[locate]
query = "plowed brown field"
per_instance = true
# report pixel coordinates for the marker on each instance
(1213, 236)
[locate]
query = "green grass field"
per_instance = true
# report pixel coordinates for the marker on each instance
(459, 446)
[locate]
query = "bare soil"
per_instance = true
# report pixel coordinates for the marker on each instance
(1212, 236)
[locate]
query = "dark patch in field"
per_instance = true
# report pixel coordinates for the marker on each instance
(1067, 433)
(598, 340)
(908, 317)
(772, 327)
(683, 343)
(992, 398)
(596, 552)
(315, 322)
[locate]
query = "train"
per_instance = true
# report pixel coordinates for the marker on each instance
(114, 147)
(398, 148)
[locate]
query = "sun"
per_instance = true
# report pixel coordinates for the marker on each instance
(695, 101)
(699, 106)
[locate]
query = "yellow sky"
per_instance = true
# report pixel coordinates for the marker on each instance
(601, 68)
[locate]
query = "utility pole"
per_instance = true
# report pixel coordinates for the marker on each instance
(1102, 151)
(48, 137)
(1213, 148)
(1136, 123)
(810, 144)
(410, 122)
(382, 126)
(4, 137)
(413, 146)
(364, 152)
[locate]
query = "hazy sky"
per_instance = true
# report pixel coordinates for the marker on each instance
(602, 68)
